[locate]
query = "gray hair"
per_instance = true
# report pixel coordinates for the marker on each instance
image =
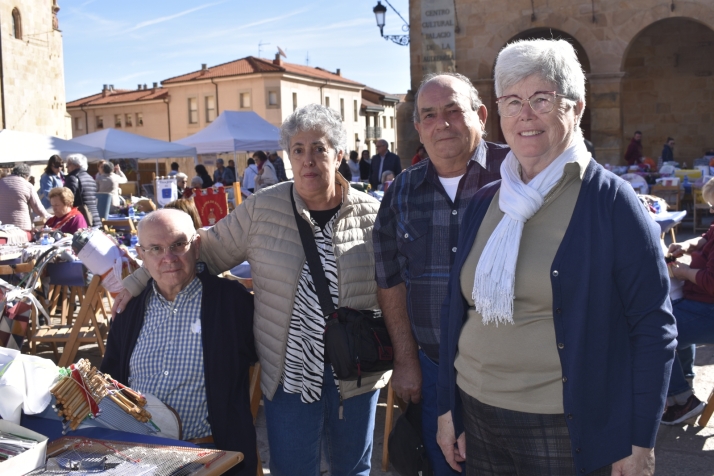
(171, 214)
(182, 175)
(107, 168)
(553, 60)
(21, 170)
(77, 159)
(196, 182)
(314, 117)
(473, 93)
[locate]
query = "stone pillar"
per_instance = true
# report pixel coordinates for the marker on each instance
(487, 93)
(606, 116)
(407, 135)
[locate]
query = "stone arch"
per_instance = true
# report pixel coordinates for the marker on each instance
(16, 24)
(669, 71)
(547, 33)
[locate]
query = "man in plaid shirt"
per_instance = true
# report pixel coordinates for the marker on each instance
(416, 234)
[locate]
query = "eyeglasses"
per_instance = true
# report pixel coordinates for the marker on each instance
(542, 102)
(177, 249)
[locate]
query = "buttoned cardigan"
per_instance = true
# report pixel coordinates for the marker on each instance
(612, 317)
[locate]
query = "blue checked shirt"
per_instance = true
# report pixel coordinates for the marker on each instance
(167, 361)
(416, 233)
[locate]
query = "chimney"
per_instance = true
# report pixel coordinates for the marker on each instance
(144, 85)
(156, 85)
(105, 91)
(138, 86)
(204, 67)
(111, 87)
(338, 73)
(277, 60)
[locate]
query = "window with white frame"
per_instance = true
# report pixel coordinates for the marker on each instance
(210, 108)
(100, 122)
(139, 119)
(78, 124)
(273, 99)
(342, 109)
(244, 100)
(117, 121)
(384, 122)
(128, 120)
(327, 101)
(192, 111)
(391, 122)
(294, 101)
(356, 111)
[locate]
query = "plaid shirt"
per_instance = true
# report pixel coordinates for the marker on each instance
(167, 361)
(416, 233)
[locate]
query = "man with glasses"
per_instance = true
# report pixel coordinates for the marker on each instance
(383, 161)
(416, 235)
(188, 339)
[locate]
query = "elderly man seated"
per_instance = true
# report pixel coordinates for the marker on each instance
(188, 339)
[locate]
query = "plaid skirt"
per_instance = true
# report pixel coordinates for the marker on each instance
(503, 442)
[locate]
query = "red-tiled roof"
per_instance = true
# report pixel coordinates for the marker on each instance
(382, 94)
(251, 65)
(366, 103)
(119, 96)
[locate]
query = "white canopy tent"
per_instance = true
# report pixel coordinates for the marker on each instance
(234, 131)
(16, 146)
(125, 145)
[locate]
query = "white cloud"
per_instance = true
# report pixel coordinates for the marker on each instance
(171, 17)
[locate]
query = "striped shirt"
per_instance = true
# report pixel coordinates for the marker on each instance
(167, 361)
(416, 233)
(305, 356)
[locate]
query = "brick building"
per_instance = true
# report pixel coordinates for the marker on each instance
(649, 64)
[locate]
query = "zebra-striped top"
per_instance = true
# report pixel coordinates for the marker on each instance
(305, 356)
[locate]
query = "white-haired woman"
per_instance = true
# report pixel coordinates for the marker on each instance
(557, 339)
(84, 189)
(306, 407)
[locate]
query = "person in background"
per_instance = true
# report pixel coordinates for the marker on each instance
(633, 155)
(232, 166)
(590, 147)
(416, 233)
(279, 166)
(84, 189)
(188, 206)
(67, 218)
(266, 172)
(251, 171)
(108, 182)
(668, 151)
(365, 166)
(174, 169)
(556, 342)
(354, 165)
(18, 198)
(307, 410)
(420, 154)
(181, 179)
(345, 170)
(52, 178)
(223, 174)
(100, 163)
(387, 176)
(196, 182)
(206, 180)
(381, 161)
(197, 329)
(31, 180)
(695, 317)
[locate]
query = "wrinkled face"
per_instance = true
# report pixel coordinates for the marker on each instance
(314, 163)
(181, 182)
(58, 207)
(539, 138)
(381, 148)
(172, 272)
(449, 128)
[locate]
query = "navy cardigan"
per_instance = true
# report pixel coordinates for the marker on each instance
(612, 320)
(228, 351)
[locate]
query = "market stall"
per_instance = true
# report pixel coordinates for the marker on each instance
(16, 146)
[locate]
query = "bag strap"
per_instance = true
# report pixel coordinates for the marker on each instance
(313, 261)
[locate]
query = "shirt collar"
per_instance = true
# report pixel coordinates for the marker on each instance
(187, 293)
(479, 156)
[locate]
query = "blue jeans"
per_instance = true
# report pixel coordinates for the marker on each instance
(298, 431)
(429, 416)
(695, 325)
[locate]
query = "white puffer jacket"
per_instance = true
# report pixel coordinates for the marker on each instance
(263, 232)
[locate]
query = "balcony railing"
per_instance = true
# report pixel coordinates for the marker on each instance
(373, 133)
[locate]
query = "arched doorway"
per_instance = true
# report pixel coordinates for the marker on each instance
(548, 33)
(667, 90)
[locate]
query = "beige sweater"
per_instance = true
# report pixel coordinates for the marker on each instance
(263, 232)
(17, 197)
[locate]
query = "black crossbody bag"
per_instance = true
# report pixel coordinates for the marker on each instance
(356, 342)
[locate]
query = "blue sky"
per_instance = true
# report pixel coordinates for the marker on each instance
(128, 42)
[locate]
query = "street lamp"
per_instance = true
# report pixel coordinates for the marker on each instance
(380, 12)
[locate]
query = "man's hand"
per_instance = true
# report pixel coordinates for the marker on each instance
(640, 463)
(446, 439)
(120, 302)
(406, 379)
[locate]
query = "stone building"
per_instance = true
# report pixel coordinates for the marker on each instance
(32, 96)
(185, 104)
(649, 63)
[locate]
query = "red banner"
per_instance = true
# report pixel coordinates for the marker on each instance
(212, 204)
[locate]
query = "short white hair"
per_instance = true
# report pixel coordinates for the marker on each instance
(473, 92)
(181, 175)
(315, 117)
(179, 217)
(552, 60)
(77, 159)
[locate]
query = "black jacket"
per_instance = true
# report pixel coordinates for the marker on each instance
(391, 162)
(364, 169)
(84, 189)
(345, 170)
(228, 351)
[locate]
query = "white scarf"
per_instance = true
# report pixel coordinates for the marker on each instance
(494, 281)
